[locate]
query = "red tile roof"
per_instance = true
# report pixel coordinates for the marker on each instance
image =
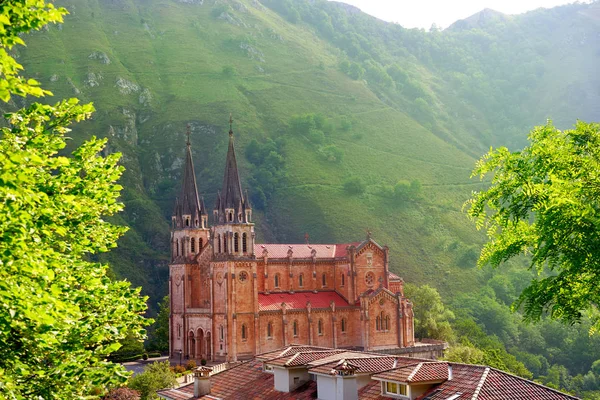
(393, 277)
(246, 381)
(421, 372)
(272, 301)
(304, 250)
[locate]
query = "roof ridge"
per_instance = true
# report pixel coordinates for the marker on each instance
(480, 383)
(414, 372)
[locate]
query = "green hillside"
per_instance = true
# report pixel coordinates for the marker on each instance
(391, 105)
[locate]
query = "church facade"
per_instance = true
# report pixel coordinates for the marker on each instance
(232, 298)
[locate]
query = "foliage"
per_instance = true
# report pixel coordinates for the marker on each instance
(17, 18)
(229, 71)
(160, 334)
(60, 315)
(544, 201)
(156, 376)
(269, 171)
(122, 394)
(190, 365)
(131, 346)
(432, 318)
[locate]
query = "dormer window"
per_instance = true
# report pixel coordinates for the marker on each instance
(187, 221)
(197, 223)
(239, 216)
(231, 216)
(394, 389)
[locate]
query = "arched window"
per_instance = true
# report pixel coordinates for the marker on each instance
(236, 242)
(276, 280)
(301, 280)
(196, 222)
(320, 327)
(343, 324)
(387, 323)
(187, 222)
(244, 242)
(324, 280)
(231, 216)
(219, 242)
(182, 248)
(270, 329)
(343, 279)
(177, 246)
(377, 324)
(200, 244)
(221, 332)
(193, 244)
(382, 319)
(225, 243)
(244, 332)
(295, 328)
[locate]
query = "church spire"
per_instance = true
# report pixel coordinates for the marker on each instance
(231, 203)
(189, 208)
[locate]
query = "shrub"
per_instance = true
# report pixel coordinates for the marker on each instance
(191, 364)
(122, 394)
(145, 356)
(203, 362)
(156, 376)
(355, 185)
(229, 71)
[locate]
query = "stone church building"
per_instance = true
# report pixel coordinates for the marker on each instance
(232, 298)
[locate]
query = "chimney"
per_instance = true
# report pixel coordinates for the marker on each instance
(346, 387)
(449, 372)
(202, 381)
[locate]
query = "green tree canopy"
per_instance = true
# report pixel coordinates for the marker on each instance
(544, 201)
(60, 315)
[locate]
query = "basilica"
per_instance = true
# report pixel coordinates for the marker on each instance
(232, 298)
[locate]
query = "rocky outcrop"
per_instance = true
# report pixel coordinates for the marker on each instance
(127, 87)
(93, 79)
(100, 56)
(252, 53)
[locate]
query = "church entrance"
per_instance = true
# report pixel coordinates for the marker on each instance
(200, 344)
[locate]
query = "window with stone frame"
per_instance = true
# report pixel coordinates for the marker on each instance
(221, 332)
(270, 330)
(343, 280)
(236, 242)
(324, 280)
(301, 280)
(244, 332)
(277, 279)
(343, 325)
(320, 327)
(193, 245)
(219, 242)
(244, 242)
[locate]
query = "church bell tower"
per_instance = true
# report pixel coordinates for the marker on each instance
(189, 223)
(233, 231)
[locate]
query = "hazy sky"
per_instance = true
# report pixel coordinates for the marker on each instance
(423, 13)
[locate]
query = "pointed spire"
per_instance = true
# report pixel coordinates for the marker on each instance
(188, 202)
(231, 193)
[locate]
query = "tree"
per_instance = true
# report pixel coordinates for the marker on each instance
(156, 376)
(545, 201)
(355, 185)
(432, 319)
(60, 315)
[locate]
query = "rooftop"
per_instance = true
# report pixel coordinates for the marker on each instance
(474, 382)
(298, 300)
(304, 250)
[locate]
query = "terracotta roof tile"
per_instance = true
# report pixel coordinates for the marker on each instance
(304, 250)
(290, 350)
(272, 301)
(393, 277)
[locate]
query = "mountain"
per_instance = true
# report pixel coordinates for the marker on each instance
(321, 95)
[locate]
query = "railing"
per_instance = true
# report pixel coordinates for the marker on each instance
(219, 368)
